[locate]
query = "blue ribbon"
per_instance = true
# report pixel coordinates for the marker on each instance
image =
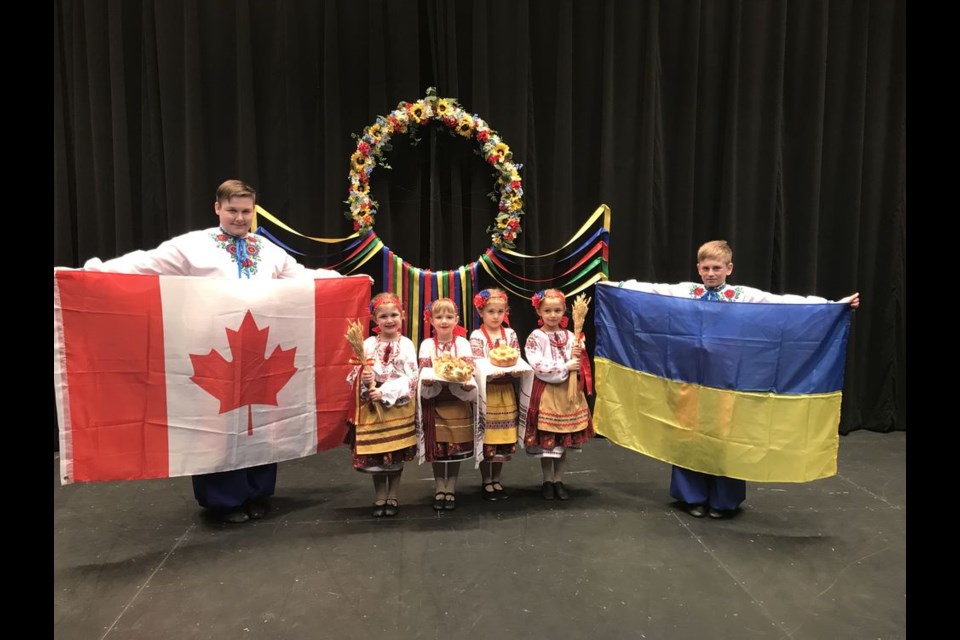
(712, 295)
(241, 245)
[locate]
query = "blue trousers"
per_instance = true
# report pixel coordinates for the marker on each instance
(718, 492)
(231, 489)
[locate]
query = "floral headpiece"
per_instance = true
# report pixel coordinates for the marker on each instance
(538, 298)
(484, 297)
(381, 300)
(377, 302)
(458, 330)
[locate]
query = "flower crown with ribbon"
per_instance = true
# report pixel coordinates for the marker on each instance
(540, 296)
(483, 298)
(381, 300)
(458, 330)
(378, 301)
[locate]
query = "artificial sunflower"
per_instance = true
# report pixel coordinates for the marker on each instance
(465, 126)
(359, 162)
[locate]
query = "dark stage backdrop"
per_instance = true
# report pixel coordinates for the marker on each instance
(777, 125)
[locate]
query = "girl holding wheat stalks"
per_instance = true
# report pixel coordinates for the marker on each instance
(555, 421)
(383, 428)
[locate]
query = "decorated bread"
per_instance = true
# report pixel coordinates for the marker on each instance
(453, 368)
(503, 356)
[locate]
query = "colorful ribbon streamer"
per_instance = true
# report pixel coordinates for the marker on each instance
(417, 287)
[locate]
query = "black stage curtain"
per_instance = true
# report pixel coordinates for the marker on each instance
(777, 125)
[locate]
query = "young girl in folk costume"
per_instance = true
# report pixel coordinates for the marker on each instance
(554, 423)
(446, 410)
(384, 441)
(499, 408)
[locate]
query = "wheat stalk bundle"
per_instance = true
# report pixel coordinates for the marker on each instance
(580, 307)
(354, 337)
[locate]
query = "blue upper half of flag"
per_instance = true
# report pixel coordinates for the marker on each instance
(785, 349)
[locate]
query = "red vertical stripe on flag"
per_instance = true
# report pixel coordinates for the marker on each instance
(338, 300)
(113, 336)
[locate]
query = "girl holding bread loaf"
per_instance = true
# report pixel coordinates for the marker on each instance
(447, 407)
(504, 382)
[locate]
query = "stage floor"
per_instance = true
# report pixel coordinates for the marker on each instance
(822, 560)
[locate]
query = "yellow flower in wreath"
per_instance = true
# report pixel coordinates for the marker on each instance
(362, 188)
(417, 111)
(442, 108)
(501, 149)
(375, 131)
(465, 126)
(359, 162)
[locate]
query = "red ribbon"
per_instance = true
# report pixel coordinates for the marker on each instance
(585, 379)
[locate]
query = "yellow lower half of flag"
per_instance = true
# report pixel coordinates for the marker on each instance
(760, 437)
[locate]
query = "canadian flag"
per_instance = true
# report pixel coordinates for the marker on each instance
(161, 376)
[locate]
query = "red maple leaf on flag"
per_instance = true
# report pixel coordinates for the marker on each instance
(250, 379)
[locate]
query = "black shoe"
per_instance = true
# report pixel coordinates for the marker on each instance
(392, 508)
(717, 514)
(560, 490)
(547, 490)
(489, 495)
(379, 510)
(438, 501)
(234, 516)
(257, 508)
(501, 492)
(450, 502)
(696, 510)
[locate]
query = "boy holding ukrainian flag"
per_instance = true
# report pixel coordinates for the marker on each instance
(698, 492)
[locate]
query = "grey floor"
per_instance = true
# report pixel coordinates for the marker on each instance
(822, 560)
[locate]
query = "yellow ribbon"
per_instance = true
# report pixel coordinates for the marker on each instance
(269, 216)
(415, 303)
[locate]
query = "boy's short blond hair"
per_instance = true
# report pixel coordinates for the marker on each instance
(235, 189)
(715, 250)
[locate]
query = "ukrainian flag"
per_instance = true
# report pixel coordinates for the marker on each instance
(743, 390)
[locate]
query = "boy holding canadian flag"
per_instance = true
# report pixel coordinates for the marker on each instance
(160, 376)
